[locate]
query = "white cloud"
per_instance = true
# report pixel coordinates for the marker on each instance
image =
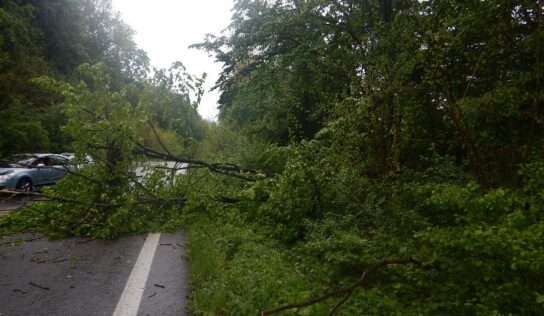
(165, 29)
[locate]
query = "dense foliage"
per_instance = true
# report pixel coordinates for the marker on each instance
(72, 79)
(53, 38)
(414, 130)
(407, 78)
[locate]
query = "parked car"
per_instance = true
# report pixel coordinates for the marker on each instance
(30, 171)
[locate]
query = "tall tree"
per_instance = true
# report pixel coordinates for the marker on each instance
(460, 79)
(53, 38)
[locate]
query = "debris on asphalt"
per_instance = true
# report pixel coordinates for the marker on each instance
(39, 286)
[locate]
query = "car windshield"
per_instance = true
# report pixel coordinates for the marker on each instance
(17, 161)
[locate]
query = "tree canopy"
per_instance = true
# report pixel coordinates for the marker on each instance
(463, 78)
(53, 38)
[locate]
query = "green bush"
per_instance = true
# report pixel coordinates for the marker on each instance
(480, 248)
(235, 270)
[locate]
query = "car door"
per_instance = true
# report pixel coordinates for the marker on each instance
(58, 168)
(39, 171)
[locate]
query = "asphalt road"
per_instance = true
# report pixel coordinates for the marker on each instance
(8, 203)
(136, 275)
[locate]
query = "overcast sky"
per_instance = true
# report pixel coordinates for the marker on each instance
(165, 29)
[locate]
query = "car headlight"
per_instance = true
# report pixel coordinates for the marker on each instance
(6, 175)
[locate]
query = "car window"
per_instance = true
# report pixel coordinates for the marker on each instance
(17, 160)
(58, 161)
(42, 161)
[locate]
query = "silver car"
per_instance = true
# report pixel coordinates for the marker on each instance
(27, 172)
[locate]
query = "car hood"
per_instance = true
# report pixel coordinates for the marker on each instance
(4, 171)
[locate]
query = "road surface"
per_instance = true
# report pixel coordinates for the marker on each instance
(136, 275)
(176, 168)
(8, 203)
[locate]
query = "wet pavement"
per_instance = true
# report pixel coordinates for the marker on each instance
(80, 276)
(9, 202)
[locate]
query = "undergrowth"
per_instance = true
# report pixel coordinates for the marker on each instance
(236, 270)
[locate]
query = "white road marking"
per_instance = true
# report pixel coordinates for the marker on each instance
(132, 295)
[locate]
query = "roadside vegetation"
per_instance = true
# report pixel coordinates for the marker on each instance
(371, 157)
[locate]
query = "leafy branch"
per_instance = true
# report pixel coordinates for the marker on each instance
(346, 292)
(44, 198)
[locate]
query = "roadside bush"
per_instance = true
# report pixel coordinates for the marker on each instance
(235, 270)
(480, 248)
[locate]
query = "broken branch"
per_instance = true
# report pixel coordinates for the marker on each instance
(346, 291)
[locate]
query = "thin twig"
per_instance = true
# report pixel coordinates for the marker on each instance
(158, 137)
(336, 306)
(39, 286)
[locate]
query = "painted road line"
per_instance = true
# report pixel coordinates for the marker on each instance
(132, 295)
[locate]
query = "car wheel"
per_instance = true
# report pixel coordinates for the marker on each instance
(24, 185)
